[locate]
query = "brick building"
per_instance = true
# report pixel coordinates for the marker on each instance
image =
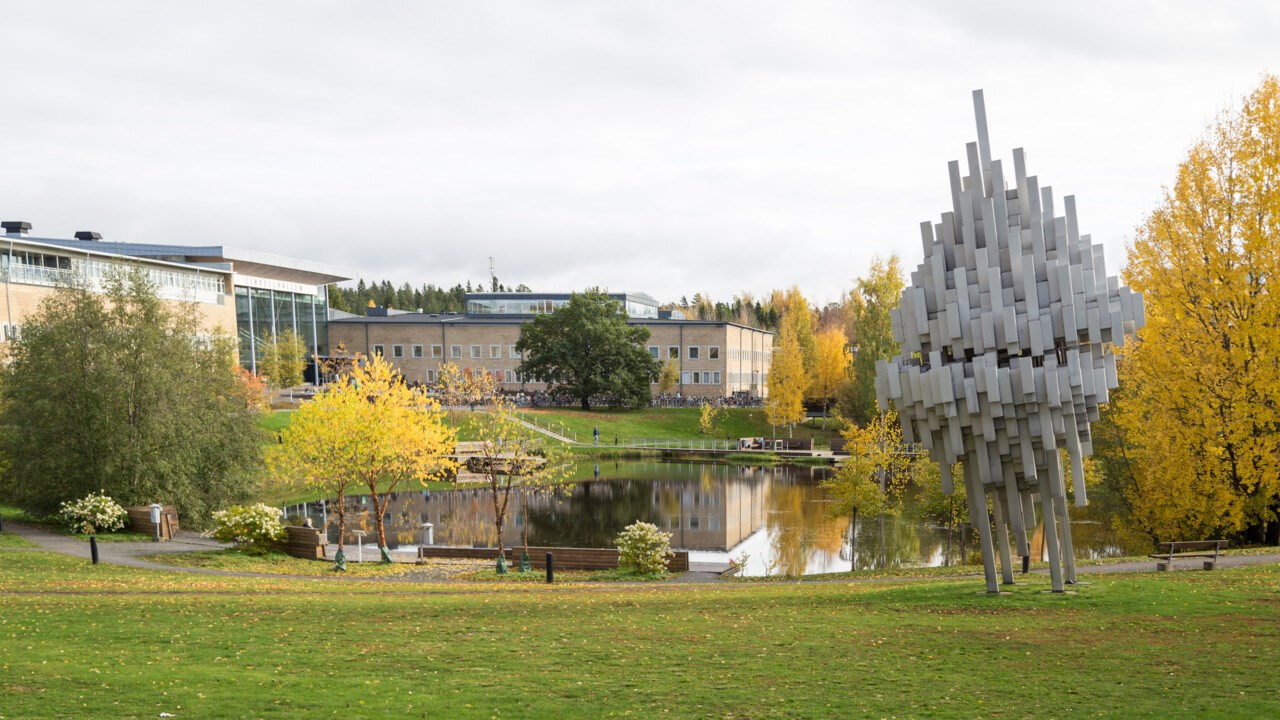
(715, 359)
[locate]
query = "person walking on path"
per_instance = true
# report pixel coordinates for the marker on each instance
(595, 434)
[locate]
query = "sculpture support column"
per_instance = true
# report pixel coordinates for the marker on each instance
(1002, 539)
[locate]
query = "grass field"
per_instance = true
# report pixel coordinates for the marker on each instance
(680, 423)
(102, 641)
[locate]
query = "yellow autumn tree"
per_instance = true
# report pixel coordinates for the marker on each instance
(831, 367)
(372, 429)
(318, 451)
(787, 381)
(1198, 414)
(797, 315)
(878, 471)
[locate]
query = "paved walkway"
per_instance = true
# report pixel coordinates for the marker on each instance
(128, 554)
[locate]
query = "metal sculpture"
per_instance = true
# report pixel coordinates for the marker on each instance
(1006, 334)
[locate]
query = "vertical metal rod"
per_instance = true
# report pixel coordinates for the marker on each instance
(93, 548)
(551, 573)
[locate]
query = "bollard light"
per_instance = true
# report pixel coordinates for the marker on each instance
(551, 572)
(93, 548)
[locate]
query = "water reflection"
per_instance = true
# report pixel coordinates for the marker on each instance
(775, 520)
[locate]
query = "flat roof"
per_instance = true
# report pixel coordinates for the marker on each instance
(242, 260)
(413, 318)
(92, 249)
(643, 298)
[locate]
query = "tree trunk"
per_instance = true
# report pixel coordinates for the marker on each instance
(586, 402)
(382, 531)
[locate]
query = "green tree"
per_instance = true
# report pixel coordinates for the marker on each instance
(871, 335)
(1197, 421)
(282, 359)
(120, 393)
(587, 349)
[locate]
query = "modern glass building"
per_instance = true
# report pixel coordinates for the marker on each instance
(272, 293)
(636, 305)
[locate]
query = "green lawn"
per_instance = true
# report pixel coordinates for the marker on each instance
(103, 641)
(681, 423)
(276, 421)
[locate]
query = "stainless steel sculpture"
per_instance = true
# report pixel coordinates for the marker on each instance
(1006, 335)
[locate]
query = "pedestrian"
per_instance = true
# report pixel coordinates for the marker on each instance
(595, 434)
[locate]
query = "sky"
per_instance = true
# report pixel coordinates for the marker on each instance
(672, 148)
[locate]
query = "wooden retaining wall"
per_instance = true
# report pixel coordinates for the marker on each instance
(566, 558)
(304, 542)
(140, 520)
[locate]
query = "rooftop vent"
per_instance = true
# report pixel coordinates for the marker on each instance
(16, 227)
(87, 235)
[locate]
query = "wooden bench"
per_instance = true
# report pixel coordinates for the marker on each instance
(303, 542)
(1170, 551)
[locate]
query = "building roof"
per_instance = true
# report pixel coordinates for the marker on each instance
(413, 318)
(243, 261)
(103, 251)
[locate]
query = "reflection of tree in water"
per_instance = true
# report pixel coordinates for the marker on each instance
(801, 526)
(592, 514)
(901, 545)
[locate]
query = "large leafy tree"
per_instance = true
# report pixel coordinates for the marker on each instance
(282, 359)
(788, 381)
(1196, 443)
(830, 368)
(120, 392)
(587, 349)
(871, 335)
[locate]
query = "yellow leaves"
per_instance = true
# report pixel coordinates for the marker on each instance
(367, 425)
(831, 366)
(1199, 406)
(787, 380)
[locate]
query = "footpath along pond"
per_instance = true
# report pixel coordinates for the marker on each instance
(778, 519)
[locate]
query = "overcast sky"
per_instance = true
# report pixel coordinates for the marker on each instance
(672, 148)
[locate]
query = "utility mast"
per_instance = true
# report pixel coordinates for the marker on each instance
(493, 276)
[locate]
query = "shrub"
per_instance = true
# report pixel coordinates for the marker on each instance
(92, 514)
(248, 525)
(644, 548)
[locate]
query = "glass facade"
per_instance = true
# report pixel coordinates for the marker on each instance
(530, 304)
(266, 313)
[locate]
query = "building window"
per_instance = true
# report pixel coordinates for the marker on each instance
(693, 352)
(417, 351)
(375, 349)
(512, 353)
(697, 378)
(397, 351)
(653, 351)
(715, 377)
(673, 352)
(508, 376)
(495, 351)
(455, 352)
(713, 352)
(437, 351)
(686, 377)
(431, 376)
(475, 352)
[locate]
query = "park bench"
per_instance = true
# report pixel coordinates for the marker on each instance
(1170, 551)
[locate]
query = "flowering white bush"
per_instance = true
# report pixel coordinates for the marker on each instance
(248, 525)
(644, 548)
(92, 514)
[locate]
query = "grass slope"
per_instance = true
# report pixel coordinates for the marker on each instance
(668, 423)
(86, 641)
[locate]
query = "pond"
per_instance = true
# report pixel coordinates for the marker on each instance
(774, 520)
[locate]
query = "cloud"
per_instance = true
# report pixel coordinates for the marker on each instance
(706, 147)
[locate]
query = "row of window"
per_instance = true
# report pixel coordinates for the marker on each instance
(696, 377)
(748, 354)
(694, 352)
(437, 351)
(509, 377)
